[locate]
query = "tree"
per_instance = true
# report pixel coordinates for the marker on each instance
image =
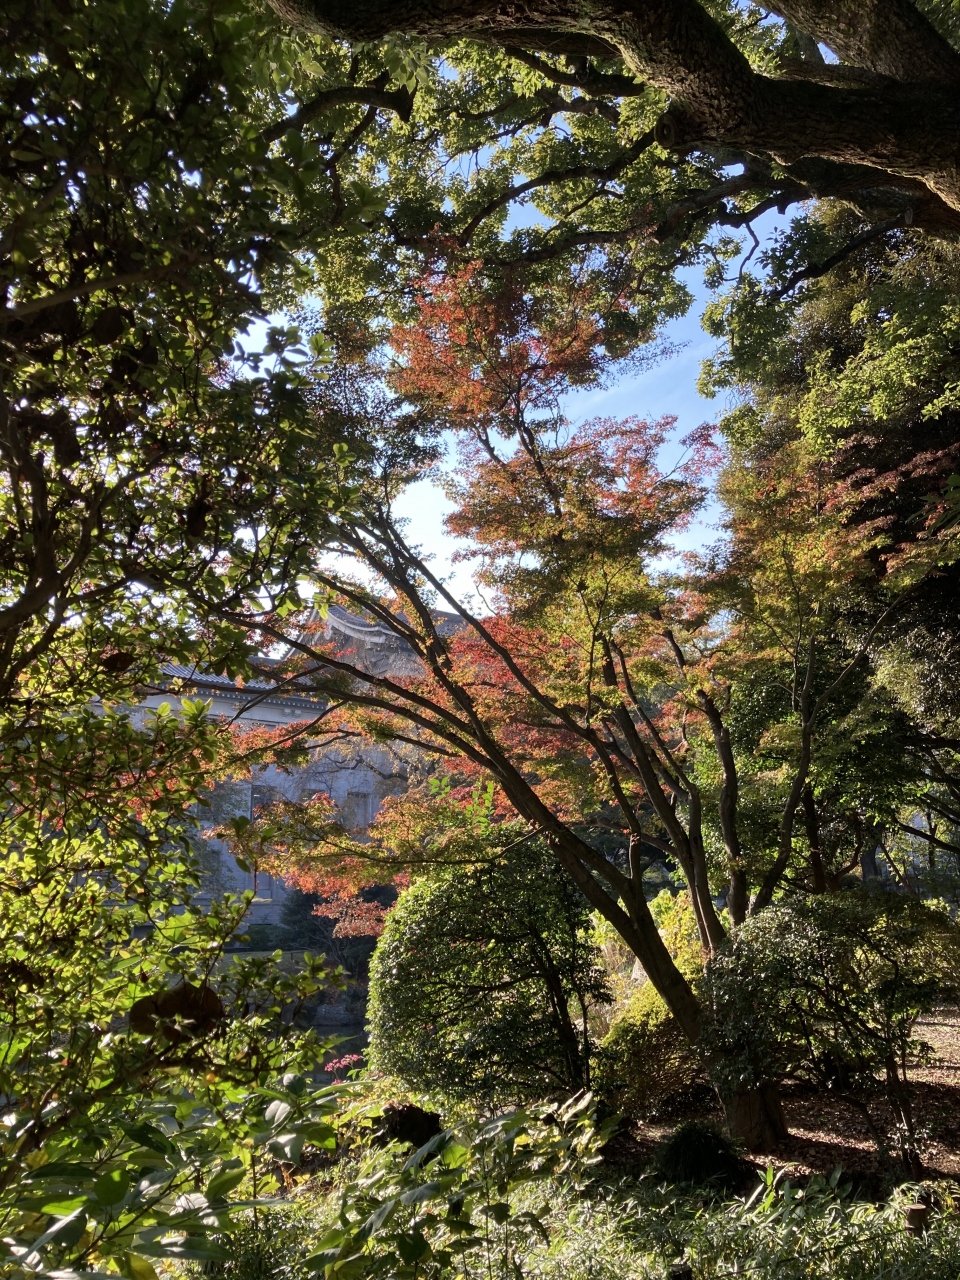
(156, 200)
(597, 692)
(860, 375)
(164, 185)
(131, 1049)
(624, 142)
(147, 462)
(877, 129)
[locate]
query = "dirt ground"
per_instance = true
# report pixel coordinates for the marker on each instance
(825, 1132)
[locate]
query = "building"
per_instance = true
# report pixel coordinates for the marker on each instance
(357, 778)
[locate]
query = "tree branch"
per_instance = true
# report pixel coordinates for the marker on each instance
(891, 37)
(596, 82)
(814, 270)
(908, 129)
(550, 176)
(102, 283)
(376, 95)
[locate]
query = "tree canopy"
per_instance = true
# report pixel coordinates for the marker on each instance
(442, 218)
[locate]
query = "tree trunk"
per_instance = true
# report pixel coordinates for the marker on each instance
(868, 863)
(899, 1097)
(817, 870)
(755, 1117)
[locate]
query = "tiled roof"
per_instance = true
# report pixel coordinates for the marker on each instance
(354, 626)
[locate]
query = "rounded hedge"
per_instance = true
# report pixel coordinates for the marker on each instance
(481, 981)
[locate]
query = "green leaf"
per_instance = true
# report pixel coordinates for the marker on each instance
(61, 1169)
(428, 1191)
(220, 1186)
(135, 1267)
(277, 1112)
(499, 1212)
(412, 1246)
(149, 1136)
(286, 1146)
(112, 1187)
(64, 1233)
(61, 1208)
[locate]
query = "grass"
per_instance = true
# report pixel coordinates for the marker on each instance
(636, 1230)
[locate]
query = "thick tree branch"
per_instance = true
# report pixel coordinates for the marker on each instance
(831, 73)
(910, 129)
(929, 837)
(891, 37)
(376, 95)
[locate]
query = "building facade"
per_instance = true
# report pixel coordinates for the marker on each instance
(357, 778)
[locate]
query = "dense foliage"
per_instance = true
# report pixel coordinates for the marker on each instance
(829, 990)
(732, 717)
(150, 215)
(135, 1058)
(482, 981)
(645, 1066)
(263, 269)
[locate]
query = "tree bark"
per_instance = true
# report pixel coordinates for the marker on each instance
(907, 128)
(890, 37)
(808, 710)
(811, 821)
(755, 1116)
(729, 803)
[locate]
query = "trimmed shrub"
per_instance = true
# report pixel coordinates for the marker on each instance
(480, 983)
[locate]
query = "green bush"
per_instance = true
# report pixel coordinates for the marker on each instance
(829, 989)
(645, 1060)
(698, 1154)
(481, 981)
(270, 1244)
(677, 922)
(469, 1203)
(522, 1198)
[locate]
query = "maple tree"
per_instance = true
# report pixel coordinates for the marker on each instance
(599, 690)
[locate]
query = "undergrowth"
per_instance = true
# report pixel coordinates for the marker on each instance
(781, 1232)
(635, 1231)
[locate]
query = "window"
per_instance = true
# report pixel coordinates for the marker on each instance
(357, 810)
(261, 797)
